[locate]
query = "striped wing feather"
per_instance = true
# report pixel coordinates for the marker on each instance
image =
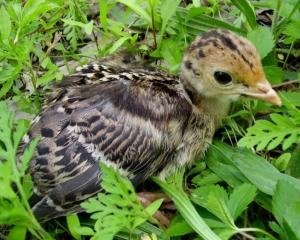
(127, 122)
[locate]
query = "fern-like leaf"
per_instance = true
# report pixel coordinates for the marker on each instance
(281, 130)
(118, 207)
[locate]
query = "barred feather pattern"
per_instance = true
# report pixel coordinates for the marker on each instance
(139, 121)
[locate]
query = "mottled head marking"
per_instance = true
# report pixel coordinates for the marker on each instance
(223, 39)
(221, 50)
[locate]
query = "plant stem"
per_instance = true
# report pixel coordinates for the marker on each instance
(243, 230)
(153, 29)
(288, 55)
(275, 19)
(286, 83)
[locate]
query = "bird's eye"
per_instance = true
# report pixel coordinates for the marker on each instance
(222, 77)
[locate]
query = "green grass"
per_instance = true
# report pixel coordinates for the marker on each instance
(247, 186)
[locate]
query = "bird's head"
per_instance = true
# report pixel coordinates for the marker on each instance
(221, 64)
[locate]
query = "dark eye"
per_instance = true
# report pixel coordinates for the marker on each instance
(222, 77)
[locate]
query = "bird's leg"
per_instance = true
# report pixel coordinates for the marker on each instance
(147, 198)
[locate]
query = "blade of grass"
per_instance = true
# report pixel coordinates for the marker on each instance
(185, 207)
(200, 21)
(247, 9)
(137, 9)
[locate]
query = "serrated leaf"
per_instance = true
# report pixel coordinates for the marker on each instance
(14, 207)
(292, 31)
(214, 198)
(240, 198)
(281, 130)
(118, 207)
(263, 40)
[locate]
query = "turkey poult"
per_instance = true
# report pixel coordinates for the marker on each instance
(141, 121)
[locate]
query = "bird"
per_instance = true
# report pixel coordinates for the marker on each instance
(140, 120)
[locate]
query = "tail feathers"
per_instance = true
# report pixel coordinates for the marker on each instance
(66, 197)
(46, 209)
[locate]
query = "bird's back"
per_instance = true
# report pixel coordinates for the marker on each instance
(133, 120)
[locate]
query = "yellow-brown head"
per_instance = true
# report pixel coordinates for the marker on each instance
(220, 63)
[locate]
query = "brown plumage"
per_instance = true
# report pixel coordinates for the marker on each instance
(142, 121)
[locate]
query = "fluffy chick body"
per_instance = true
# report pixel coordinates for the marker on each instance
(141, 121)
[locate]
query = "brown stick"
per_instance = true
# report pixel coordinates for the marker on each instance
(286, 83)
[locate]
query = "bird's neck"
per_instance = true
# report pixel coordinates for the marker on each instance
(216, 107)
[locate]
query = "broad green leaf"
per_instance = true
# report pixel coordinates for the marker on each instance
(103, 13)
(34, 8)
(118, 44)
(294, 165)
(206, 177)
(220, 163)
(73, 223)
(88, 27)
(240, 198)
(17, 233)
(136, 7)
(263, 40)
(5, 28)
(257, 170)
(286, 209)
(167, 10)
(292, 219)
(274, 74)
(170, 51)
(248, 10)
(178, 227)
(150, 209)
(76, 229)
(185, 207)
(6, 86)
(292, 31)
(198, 22)
(282, 162)
(7, 77)
(284, 196)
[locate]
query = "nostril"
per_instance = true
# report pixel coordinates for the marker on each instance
(264, 88)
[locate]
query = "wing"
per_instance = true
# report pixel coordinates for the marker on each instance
(131, 123)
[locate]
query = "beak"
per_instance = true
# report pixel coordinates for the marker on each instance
(263, 91)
